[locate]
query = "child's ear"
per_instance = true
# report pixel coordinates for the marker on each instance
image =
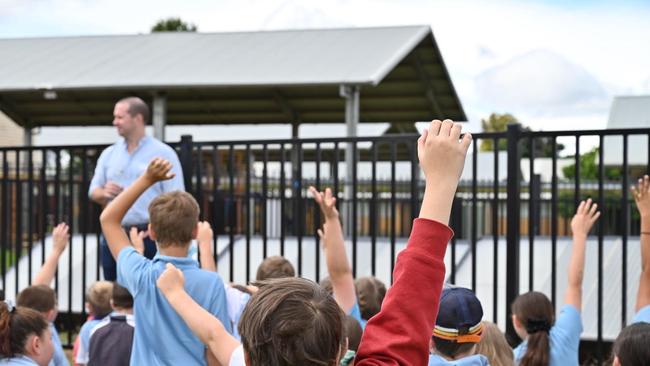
(616, 361)
(33, 345)
(151, 232)
(195, 232)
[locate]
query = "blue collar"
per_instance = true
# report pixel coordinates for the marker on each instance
(179, 262)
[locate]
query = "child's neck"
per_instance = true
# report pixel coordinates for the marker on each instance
(124, 311)
(174, 251)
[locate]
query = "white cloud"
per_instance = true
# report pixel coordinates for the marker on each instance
(541, 82)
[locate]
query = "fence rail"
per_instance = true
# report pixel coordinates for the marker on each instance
(255, 195)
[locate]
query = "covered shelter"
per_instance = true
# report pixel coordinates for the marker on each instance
(386, 74)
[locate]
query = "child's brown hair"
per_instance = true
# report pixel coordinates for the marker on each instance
(275, 267)
(38, 297)
(292, 321)
(371, 293)
(174, 217)
(535, 312)
(16, 326)
(99, 298)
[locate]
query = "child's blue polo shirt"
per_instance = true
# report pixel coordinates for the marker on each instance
(564, 339)
(161, 336)
(643, 315)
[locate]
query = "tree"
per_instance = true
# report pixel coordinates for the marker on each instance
(173, 25)
(499, 123)
(496, 123)
(589, 168)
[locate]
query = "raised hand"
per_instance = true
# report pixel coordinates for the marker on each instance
(60, 237)
(159, 170)
(442, 152)
(586, 215)
(137, 239)
(326, 201)
(641, 195)
(204, 233)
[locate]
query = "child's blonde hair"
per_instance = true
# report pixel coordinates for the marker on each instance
(494, 346)
(99, 298)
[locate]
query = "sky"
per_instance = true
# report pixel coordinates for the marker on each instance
(553, 64)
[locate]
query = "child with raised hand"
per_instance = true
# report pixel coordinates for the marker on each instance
(294, 321)
(338, 266)
(399, 334)
(161, 336)
(641, 195)
(25, 337)
(547, 341)
(40, 296)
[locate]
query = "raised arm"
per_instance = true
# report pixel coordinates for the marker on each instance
(206, 327)
(60, 239)
(333, 245)
(642, 198)
(111, 218)
(584, 219)
(204, 238)
(399, 334)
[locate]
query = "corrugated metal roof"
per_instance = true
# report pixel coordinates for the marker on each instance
(305, 57)
(230, 78)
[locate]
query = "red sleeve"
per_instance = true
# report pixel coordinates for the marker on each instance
(399, 334)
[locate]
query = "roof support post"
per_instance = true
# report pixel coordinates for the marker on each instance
(351, 95)
(159, 115)
(28, 139)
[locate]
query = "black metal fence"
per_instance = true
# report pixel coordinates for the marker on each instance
(255, 193)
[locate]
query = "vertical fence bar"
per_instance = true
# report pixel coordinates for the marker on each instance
(298, 214)
(373, 211)
(6, 209)
(625, 227)
(474, 232)
(576, 190)
(512, 251)
(232, 209)
(72, 230)
(265, 196)
(495, 232)
(248, 211)
(415, 175)
(18, 221)
(393, 208)
(554, 194)
(215, 195)
(282, 208)
(83, 191)
(44, 205)
(185, 157)
(30, 215)
(531, 208)
(317, 218)
(335, 169)
(353, 181)
(601, 229)
(199, 179)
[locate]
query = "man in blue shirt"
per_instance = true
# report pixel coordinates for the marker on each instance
(161, 335)
(122, 163)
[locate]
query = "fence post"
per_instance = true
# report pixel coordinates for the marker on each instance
(185, 156)
(513, 229)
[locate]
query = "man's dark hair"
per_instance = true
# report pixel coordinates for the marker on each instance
(292, 321)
